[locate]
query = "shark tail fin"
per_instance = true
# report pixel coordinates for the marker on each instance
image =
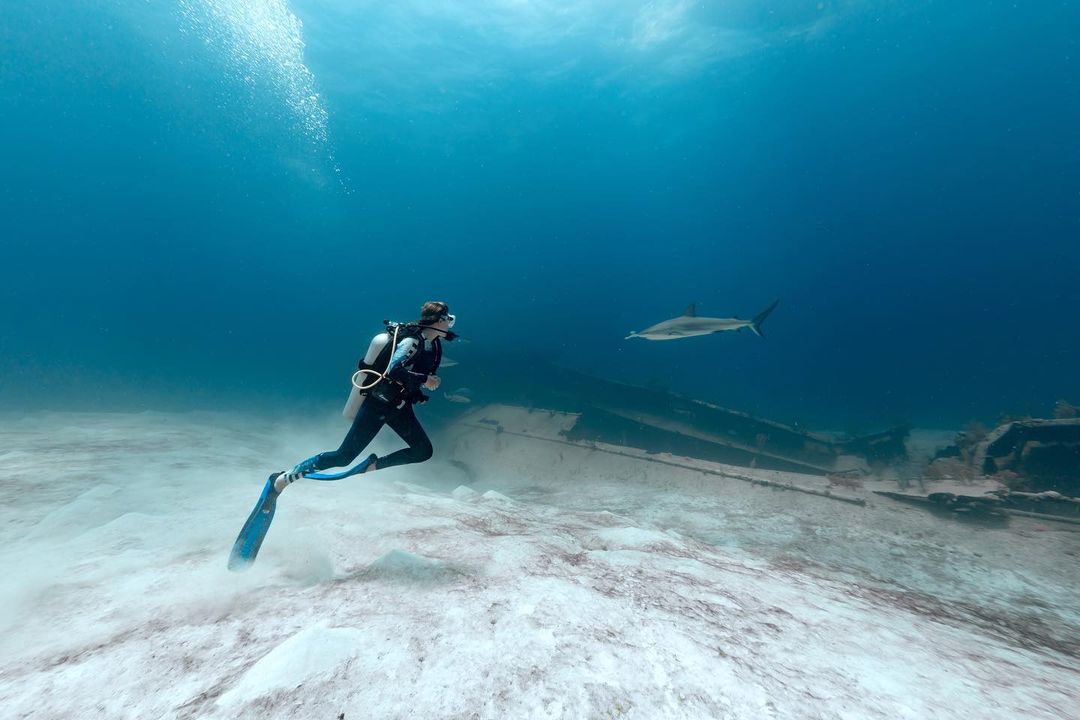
(755, 324)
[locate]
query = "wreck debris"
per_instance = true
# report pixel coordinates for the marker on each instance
(1029, 455)
(1028, 467)
(851, 479)
(1065, 410)
(562, 434)
(657, 420)
(950, 469)
(1042, 504)
(1043, 454)
(991, 506)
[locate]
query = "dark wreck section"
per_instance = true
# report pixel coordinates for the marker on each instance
(1029, 455)
(1023, 467)
(659, 421)
(1044, 455)
(1032, 467)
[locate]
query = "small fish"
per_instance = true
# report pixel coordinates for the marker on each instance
(447, 362)
(457, 398)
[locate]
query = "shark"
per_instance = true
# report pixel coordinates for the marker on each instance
(461, 395)
(690, 325)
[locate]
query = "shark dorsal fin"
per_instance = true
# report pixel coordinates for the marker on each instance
(690, 311)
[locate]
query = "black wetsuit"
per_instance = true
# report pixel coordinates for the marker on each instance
(408, 379)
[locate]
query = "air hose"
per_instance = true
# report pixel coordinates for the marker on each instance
(378, 375)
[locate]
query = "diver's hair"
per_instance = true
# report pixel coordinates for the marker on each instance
(432, 311)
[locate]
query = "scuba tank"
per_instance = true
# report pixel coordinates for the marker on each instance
(358, 389)
(376, 362)
(352, 405)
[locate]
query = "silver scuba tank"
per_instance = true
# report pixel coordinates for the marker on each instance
(356, 396)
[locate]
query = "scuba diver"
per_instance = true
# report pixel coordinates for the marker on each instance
(400, 363)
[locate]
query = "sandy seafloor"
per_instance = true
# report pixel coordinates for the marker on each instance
(506, 578)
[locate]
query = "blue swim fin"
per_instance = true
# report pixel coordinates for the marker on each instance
(251, 536)
(254, 531)
(354, 470)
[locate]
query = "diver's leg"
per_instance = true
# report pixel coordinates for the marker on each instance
(366, 425)
(405, 424)
(369, 420)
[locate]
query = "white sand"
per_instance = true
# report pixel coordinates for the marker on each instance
(507, 578)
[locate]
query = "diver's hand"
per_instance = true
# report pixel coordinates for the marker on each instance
(432, 382)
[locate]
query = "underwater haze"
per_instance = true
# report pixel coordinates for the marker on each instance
(215, 203)
(208, 208)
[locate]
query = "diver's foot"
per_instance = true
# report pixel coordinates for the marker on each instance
(373, 463)
(285, 479)
(300, 469)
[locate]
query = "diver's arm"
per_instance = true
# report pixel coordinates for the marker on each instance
(396, 370)
(402, 352)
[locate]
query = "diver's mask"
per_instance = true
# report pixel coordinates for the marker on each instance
(450, 320)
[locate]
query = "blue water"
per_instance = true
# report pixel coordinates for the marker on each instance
(214, 203)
